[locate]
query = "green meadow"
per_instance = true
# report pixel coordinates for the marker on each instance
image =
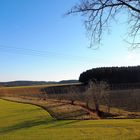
(27, 122)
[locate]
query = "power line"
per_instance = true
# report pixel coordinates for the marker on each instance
(32, 52)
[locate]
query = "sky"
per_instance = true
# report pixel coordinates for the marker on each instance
(37, 42)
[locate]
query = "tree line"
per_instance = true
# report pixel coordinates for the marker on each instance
(112, 75)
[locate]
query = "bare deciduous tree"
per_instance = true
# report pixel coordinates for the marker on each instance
(97, 93)
(73, 94)
(99, 14)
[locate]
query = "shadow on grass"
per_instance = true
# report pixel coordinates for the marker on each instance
(50, 123)
(26, 124)
(64, 123)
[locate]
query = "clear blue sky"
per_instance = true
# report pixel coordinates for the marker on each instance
(38, 43)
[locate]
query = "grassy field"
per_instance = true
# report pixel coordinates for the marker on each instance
(35, 90)
(28, 122)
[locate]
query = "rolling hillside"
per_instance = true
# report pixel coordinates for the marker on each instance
(22, 121)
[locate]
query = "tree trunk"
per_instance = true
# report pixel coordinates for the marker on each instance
(108, 108)
(109, 105)
(97, 109)
(87, 105)
(72, 102)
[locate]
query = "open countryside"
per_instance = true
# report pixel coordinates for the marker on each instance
(73, 111)
(60, 82)
(23, 121)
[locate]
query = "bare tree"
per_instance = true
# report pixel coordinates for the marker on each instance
(97, 93)
(86, 98)
(73, 94)
(99, 14)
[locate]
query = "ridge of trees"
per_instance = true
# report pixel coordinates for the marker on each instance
(112, 75)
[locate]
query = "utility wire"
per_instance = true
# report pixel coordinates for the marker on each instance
(32, 52)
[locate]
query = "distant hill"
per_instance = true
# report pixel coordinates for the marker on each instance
(68, 81)
(31, 83)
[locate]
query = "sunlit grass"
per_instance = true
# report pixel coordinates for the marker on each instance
(28, 122)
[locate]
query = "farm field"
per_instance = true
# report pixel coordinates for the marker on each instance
(22, 121)
(36, 90)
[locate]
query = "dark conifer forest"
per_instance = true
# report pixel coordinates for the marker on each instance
(112, 75)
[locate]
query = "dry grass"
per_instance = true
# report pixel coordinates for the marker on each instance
(124, 103)
(57, 109)
(63, 110)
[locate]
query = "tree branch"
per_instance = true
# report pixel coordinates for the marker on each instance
(129, 6)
